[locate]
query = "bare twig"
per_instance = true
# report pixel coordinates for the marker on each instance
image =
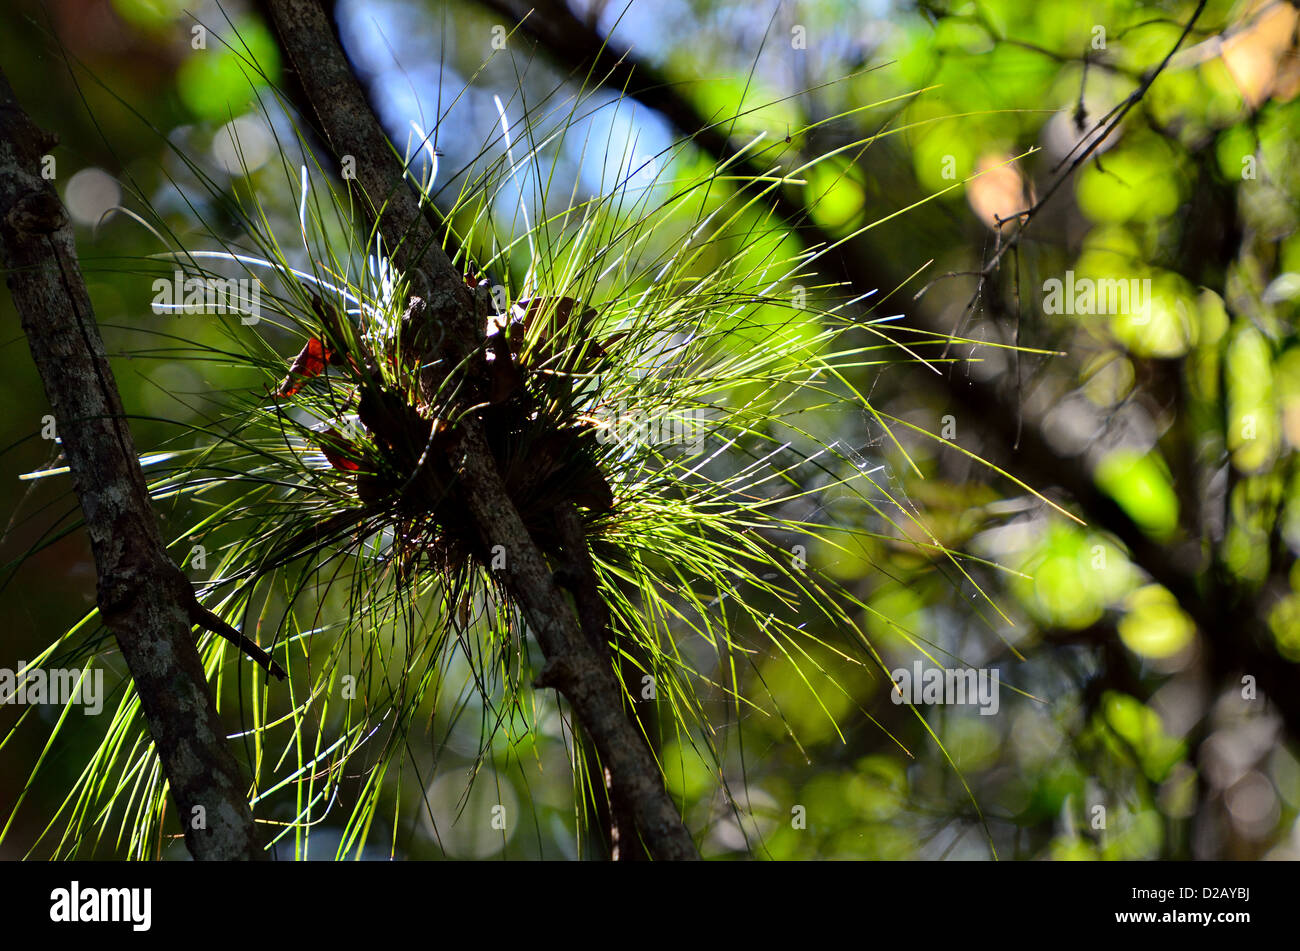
(1102, 131)
(202, 617)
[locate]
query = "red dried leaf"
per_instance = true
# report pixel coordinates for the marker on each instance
(337, 449)
(310, 362)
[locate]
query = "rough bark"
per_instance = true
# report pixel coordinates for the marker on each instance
(143, 597)
(349, 127)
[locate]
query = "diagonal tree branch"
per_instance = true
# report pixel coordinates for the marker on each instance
(143, 597)
(586, 679)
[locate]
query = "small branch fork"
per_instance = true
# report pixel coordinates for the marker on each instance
(202, 617)
(1101, 131)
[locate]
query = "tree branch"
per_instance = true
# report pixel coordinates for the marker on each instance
(350, 127)
(143, 597)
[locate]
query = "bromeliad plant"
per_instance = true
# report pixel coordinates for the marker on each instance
(652, 360)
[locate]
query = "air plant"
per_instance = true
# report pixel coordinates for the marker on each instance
(653, 358)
